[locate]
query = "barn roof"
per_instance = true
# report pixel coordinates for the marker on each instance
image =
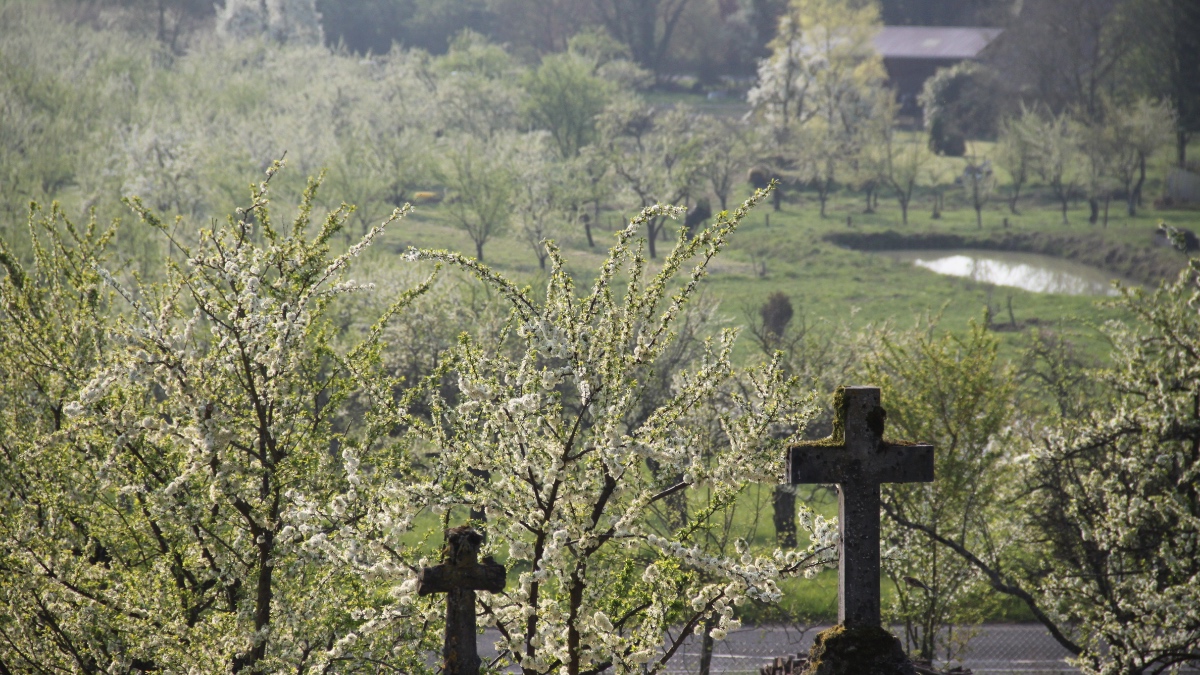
(929, 42)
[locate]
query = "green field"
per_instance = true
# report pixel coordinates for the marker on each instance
(787, 251)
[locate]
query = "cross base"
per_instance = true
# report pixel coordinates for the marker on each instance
(868, 650)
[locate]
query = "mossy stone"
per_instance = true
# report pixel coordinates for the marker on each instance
(857, 651)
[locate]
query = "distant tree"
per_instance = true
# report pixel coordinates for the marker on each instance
(286, 21)
(654, 156)
(1015, 154)
(724, 155)
(536, 198)
(1139, 131)
(941, 12)
(959, 104)
(821, 61)
(480, 185)
(1099, 153)
(539, 27)
(820, 89)
(978, 182)
(1055, 140)
(366, 26)
(647, 27)
(899, 160)
(1065, 54)
(564, 96)
(435, 24)
(474, 87)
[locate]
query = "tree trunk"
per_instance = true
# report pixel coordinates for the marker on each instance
(784, 506)
(1135, 194)
(904, 211)
(979, 216)
(479, 251)
(778, 197)
(706, 646)
(1064, 199)
(587, 224)
(1012, 203)
(652, 228)
(1094, 208)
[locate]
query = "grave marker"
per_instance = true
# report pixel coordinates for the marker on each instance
(858, 460)
(459, 576)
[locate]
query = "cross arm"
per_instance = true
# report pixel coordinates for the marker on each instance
(816, 463)
(904, 463)
(887, 463)
(488, 575)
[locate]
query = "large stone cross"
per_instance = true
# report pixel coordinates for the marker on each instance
(459, 576)
(857, 459)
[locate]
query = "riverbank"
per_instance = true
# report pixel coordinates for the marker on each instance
(1148, 264)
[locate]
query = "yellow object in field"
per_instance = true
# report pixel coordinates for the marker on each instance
(427, 197)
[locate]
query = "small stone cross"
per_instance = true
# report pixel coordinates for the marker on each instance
(857, 459)
(459, 576)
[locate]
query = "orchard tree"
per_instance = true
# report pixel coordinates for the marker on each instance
(904, 164)
(1015, 154)
(952, 391)
(655, 157)
(1115, 496)
(480, 185)
(1055, 139)
(538, 193)
(821, 87)
(725, 155)
(978, 182)
(548, 440)
(1140, 130)
(474, 87)
(163, 441)
(821, 55)
(1100, 151)
(564, 96)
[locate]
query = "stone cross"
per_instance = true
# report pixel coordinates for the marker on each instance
(459, 576)
(858, 460)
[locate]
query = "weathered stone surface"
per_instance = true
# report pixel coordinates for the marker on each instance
(857, 458)
(459, 576)
(866, 650)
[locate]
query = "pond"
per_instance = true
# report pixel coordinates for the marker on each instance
(1027, 271)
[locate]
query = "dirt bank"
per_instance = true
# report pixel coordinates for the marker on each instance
(1144, 264)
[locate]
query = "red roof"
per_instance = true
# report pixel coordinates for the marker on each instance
(929, 42)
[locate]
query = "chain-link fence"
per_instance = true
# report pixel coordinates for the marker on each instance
(995, 649)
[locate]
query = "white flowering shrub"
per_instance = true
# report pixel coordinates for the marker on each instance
(1115, 494)
(286, 21)
(165, 444)
(543, 443)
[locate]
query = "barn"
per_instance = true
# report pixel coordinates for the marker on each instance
(912, 54)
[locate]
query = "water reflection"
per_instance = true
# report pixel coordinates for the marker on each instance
(1028, 271)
